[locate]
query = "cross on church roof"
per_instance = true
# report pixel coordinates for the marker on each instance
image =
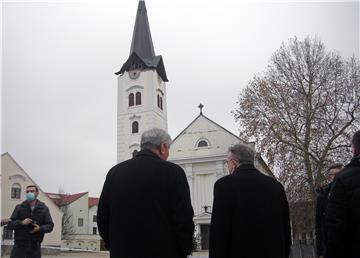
(201, 107)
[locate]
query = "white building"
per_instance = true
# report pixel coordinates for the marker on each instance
(80, 210)
(200, 149)
(14, 180)
(93, 205)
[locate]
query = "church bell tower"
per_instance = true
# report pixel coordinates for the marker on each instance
(141, 90)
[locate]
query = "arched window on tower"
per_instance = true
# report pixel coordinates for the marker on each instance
(158, 101)
(131, 99)
(161, 103)
(16, 191)
(135, 127)
(138, 98)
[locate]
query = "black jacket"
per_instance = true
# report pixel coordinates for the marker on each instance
(145, 209)
(40, 215)
(321, 204)
(343, 213)
(250, 217)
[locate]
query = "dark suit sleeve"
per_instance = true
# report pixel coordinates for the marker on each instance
(287, 226)
(220, 229)
(336, 221)
(48, 224)
(104, 211)
(182, 212)
(15, 223)
(318, 225)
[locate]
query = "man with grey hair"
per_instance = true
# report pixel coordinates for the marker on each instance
(250, 215)
(144, 208)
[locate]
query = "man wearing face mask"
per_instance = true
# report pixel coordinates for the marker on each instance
(30, 220)
(250, 215)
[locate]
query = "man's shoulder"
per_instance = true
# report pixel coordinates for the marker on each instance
(21, 205)
(41, 204)
(349, 175)
(223, 181)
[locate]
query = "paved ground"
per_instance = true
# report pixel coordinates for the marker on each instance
(83, 255)
(74, 255)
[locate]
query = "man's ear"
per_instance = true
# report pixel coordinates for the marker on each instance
(162, 148)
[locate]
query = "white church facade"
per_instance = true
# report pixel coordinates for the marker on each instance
(200, 149)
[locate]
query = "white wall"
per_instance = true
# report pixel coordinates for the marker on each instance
(79, 209)
(12, 173)
(92, 224)
(147, 114)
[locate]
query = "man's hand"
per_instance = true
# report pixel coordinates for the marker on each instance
(36, 228)
(26, 221)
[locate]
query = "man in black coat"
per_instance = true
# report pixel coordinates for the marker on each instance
(343, 212)
(250, 215)
(30, 220)
(321, 204)
(144, 208)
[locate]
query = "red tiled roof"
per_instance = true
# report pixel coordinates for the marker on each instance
(64, 199)
(93, 201)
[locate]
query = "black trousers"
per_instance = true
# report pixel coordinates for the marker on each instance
(26, 252)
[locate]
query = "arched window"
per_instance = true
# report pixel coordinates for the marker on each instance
(161, 103)
(16, 191)
(131, 99)
(158, 101)
(134, 153)
(202, 143)
(135, 127)
(138, 98)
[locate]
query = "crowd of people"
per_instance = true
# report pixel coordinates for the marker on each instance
(145, 209)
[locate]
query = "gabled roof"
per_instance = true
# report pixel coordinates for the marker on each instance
(64, 199)
(202, 115)
(23, 171)
(142, 48)
(93, 201)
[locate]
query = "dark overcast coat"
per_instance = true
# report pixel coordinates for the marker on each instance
(250, 217)
(40, 215)
(145, 209)
(343, 213)
(321, 203)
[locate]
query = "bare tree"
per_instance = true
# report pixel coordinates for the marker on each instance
(301, 112)
(68, 226)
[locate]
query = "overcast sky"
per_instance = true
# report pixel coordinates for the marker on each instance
(59, 91)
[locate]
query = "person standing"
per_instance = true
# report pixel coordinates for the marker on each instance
(321, 204)
(144, 208)
(343, 211)
(250, 215)
(30, 220)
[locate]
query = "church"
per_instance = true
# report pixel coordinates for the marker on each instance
(200, 149)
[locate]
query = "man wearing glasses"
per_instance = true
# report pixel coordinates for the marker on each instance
(321, 204)
(30, 220)
(250, 215)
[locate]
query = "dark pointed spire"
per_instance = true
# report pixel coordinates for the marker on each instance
(142, 54)
(142, 43)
